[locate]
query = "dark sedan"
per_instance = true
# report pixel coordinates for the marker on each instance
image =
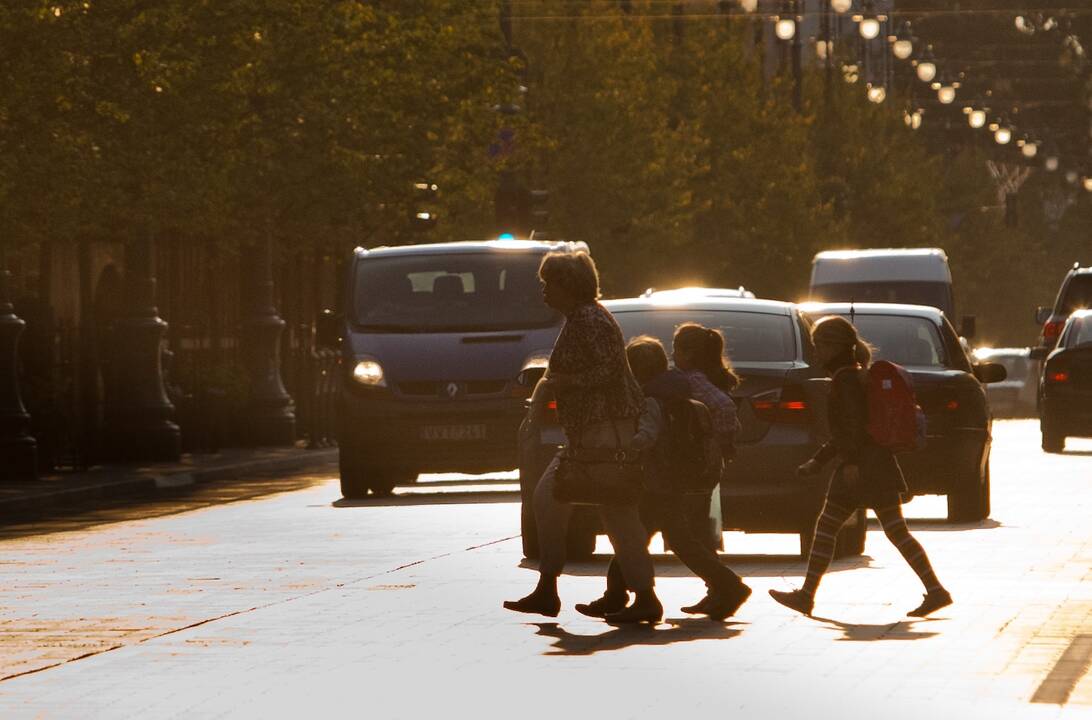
(781, 406)
(956, 458)
(1065, 388)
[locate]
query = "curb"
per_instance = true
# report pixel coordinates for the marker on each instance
(123, 483)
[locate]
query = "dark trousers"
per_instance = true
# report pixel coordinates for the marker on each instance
(676, 516)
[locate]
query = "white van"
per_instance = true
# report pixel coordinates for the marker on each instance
(915, 277)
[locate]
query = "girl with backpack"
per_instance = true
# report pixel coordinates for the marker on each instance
(867, 474)
(672, 504)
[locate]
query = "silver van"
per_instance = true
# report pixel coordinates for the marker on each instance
(432, 344)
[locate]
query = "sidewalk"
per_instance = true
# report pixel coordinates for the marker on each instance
(19, 499)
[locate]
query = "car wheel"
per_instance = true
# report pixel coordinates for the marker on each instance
(1053, 440)
(971, 501)
(354, 481)
(851, 538)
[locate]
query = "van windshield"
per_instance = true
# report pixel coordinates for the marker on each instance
(447, 292)
(933, 294)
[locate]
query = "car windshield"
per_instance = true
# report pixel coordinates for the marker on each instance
(933, 294)
(749, 337)
(1078, 294)
(1080, 333)
(901, 339)
(449, 292)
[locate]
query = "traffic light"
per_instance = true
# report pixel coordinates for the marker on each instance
(540, 213)
(423, 212)
(519, 211)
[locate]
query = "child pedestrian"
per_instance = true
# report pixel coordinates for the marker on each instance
(665, 506)
(867, 474)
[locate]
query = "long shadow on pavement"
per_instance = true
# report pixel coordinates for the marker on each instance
(620, 638)
(668, 565)
(855, 632)
(462, 497)
(942, 525)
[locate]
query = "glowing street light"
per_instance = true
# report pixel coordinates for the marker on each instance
(976, 119)
(877, 93)
(927, 66)
(902, 42)
(841, 6)
(785, 28)
(1003, 135)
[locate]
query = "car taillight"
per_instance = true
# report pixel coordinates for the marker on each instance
(951, 405)
(1052, 330)
(786, 406)
(1057, 376)
(550, 413)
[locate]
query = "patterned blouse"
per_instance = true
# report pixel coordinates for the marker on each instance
(721, 406)
(593, 379)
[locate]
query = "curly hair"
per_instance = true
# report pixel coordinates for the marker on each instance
(575, 272)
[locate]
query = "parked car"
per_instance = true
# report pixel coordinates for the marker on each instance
(1074, 293)
(781, 405)
(918, 276)
(1015, 395)
(956, 458)
(1066, 385)
(432, 343)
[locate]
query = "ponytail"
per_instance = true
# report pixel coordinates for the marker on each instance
(706, 347)
(862, 353)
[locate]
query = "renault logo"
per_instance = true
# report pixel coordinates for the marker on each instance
(452, 390)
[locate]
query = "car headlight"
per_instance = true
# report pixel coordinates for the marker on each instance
(369, 373)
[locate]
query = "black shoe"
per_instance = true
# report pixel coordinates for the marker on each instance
(722, 605)
(536, 604)
(797, 600)
(645, 610)
(698, 608)
(609, 603)
(932, 602)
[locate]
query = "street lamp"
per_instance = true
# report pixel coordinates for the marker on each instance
(902, 42)
(927, 66)
(748, 5)
(785, 28)
(976, 118)
(913, 119)
(1030, 149)
(1086, 182)
(946, 89)
(1072, 177)
(868, 22)
(876, 93)
(1003, 135)
(841, 6)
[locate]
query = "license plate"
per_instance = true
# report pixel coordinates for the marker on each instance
(453, 432)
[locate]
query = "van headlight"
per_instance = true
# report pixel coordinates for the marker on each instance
(369, 372)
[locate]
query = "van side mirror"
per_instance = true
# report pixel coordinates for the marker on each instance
(968, 327)
(328, 330)
(1038, 353)
(1042, 314)
(988, 372)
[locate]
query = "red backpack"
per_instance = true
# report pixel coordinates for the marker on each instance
(895, 420)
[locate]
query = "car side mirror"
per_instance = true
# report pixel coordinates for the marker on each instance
(328, 330)
(988, 372)
(1038, 353)
(968, 326)
(1042, 314)
(529, 376)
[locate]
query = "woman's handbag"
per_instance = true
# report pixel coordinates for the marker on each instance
(600, 475)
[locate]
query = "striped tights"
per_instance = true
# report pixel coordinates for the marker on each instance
(894, 526)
